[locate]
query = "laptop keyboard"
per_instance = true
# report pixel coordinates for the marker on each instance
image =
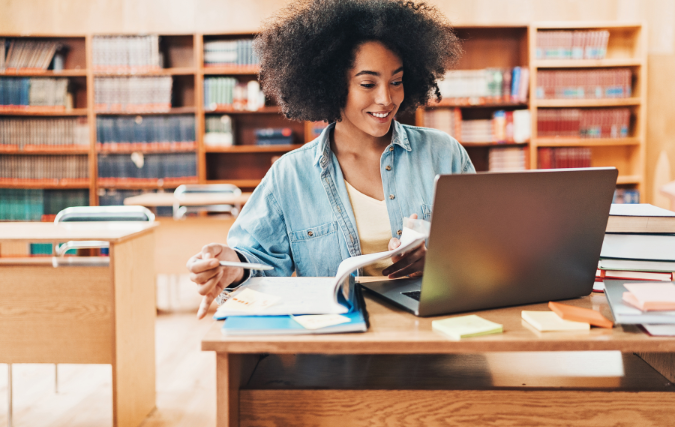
(413, 294)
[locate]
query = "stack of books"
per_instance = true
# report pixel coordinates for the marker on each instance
(44, 170)
(134, 94)
(38, 205)
(626, 195)
(233, 53)
(126, 54)
(506, 159)
(490, 85)
(26, 55)
(648, 304)
(587, 123)
(34, 94)
(448, 120)
(274, 136)
(228, 93)
(43, 134)
(559, 158)
(145, 134)
(572, 44)
(505, 127)
(639, 244)
(584, 84)
(149, 169)
(219, 131)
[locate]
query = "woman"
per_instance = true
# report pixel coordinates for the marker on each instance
(354, 64)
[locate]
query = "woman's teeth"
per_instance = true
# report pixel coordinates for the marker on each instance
(380, 115)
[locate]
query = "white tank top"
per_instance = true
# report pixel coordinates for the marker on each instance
(372, 224)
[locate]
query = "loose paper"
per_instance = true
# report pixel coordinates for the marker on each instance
(249, 301)
(318, 321)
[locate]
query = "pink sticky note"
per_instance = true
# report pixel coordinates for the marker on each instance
(651, 296)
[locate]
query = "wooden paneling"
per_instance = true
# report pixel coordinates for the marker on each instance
(134, 351)
(357, 408)
(42, 307)
(662, 362)
(233, 371)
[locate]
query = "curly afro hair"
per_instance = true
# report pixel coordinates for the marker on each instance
(308, 47)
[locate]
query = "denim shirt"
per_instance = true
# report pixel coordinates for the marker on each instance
(300, 218)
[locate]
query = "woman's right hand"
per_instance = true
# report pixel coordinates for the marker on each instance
(210, 277)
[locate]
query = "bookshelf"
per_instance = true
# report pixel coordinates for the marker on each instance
(516, 46)
(245, 163)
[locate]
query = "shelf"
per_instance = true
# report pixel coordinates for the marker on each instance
(628, 179)
(587, 63)
(182, 71)
(467, 103)
(253, 148)
(176, 110)
(146, 151)
(493, 144)
(46, 73)
(585, 142)
(66, 184)
(156, 185)
(238, 182)
(610, 102)
(54, 151)
(32, 112)
(232, 70)
(223, 110)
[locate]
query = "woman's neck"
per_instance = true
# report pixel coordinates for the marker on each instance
(350, 139)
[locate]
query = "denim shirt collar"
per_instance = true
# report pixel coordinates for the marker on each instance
(323, 154)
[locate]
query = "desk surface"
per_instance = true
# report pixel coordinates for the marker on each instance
(394, 331)
(168, 199)
(51, 232)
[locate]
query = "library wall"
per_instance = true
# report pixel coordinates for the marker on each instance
(215, 16)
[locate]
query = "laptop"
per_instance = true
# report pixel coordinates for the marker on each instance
(508, 238)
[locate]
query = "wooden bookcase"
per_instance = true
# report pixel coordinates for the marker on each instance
(244, 164)
(510, 46)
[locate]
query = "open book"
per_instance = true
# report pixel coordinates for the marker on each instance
(314, 295)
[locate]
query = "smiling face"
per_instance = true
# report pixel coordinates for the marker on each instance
(375, 90)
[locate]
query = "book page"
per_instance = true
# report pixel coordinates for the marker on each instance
(297, 295)
(641, 209)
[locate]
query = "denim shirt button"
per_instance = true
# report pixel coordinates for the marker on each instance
(391, 148)
(399, 232)
(388, 168)
(310, 234)
(392, 197)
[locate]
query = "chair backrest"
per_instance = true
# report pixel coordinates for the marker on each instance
(208, 188)
(105, 213)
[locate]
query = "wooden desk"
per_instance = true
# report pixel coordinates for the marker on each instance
(85, 314)
(401, 373)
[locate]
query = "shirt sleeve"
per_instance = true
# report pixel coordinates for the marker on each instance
(259, 234)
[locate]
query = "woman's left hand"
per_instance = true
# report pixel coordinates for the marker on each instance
(409, 263)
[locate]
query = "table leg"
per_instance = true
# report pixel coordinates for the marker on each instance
(233, 371)
(9, 395)
(133, 367)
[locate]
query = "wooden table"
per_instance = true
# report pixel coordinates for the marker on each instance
(200, 199)
(83, 313)
(401, 373)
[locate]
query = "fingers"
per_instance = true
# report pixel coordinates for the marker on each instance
(206, 286)
(408, 259)
(413, 270)
(212, 250)
(204, 306)
(393, 244)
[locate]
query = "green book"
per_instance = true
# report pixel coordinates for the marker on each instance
(466, 326)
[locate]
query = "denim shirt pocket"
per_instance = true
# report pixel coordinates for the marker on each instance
(426, 212)
(316, 250)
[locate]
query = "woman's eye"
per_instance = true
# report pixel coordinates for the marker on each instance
(367, 85)
(397, 83)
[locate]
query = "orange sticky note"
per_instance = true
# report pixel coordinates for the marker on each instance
(579, 314)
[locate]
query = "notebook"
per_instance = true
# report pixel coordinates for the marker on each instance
(627, 315)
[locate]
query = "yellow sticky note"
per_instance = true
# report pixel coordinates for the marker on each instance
(250, 301)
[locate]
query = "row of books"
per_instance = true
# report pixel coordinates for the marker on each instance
(584, 84)
(237, 53)
(583, 123)
(149, 168)
(505, 159)
(572, 44)
(38, 205)
(487, 85)
(219, 131)
(626, 196)
(43, 169)
(229, 93)
(58, 134)
(145, 134)
(567, 157)
(126, 54)
(37, 93)
(133, 94)
(26, 55)
(504, 127)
